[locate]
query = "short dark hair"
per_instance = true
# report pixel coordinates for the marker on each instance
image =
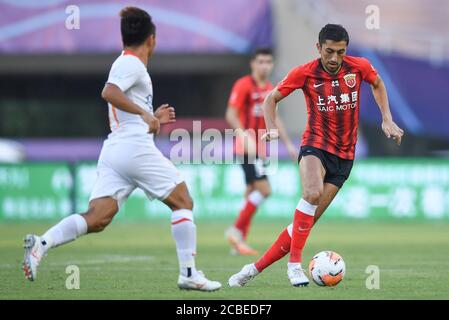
(334, 32)
(136, 26)
(263, 51)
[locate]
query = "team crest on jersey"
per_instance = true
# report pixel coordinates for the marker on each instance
(350, 80)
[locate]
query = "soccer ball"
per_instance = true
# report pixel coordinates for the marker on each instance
(327, 268)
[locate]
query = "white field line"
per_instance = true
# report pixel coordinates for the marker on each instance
(102, 259)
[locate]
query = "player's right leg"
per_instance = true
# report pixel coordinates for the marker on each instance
(281, 247)
(184, 233)
(312, 174)
(98, 216)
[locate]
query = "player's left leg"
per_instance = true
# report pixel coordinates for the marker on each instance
(281, 247)
(184, 233)
(98, 216)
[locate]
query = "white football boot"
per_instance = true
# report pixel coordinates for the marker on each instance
(34, 251)
(197, 282)
(297, 276)
(241, 278)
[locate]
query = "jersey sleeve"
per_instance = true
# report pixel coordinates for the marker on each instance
(239, 95)
(293, 80)
(125, 74)
(369, 73)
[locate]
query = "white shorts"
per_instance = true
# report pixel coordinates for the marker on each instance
(124, 167)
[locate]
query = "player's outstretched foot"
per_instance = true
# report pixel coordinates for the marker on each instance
(32, 257)
(241, 278)
(297, 277)
(239, 246)
(197, 282)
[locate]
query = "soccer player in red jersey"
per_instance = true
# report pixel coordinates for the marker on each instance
(244, 114)
(331, 86)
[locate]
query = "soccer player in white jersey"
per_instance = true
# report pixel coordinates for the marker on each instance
(129, 159)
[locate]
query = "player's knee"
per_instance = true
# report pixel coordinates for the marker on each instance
(312, 195)
(184, 202)
(264, 189)
(187, 203)
(99, 225)
(266, 192)
(98, 222)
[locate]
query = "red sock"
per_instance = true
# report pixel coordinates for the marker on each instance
(277, 251)
(302, 224)
(244, 219)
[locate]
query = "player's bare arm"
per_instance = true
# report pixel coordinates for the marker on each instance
(233, 120)
(165, 113)
(112, 94)
(389, 127)
(269, 112)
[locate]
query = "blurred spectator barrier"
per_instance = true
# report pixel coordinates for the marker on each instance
(378, 189)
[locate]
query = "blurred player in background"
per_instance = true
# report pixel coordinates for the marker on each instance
(244, 114)
(129, 159)
(331, 85)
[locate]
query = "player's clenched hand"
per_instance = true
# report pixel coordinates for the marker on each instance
(152, 121)
(270, 135)
(165, 114)
(392, 130)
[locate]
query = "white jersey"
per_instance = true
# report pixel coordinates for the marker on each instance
(130, 74)
(129, 158)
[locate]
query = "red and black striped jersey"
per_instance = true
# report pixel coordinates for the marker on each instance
(332, 102)
(247, 97)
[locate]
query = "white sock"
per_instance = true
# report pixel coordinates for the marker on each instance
(68, 229)
(306, 207)
(256, 198)
(184, 233)
(291, 265)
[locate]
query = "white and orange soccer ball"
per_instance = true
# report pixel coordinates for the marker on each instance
(327, 268)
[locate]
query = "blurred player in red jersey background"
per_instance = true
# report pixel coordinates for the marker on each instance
(245, 115)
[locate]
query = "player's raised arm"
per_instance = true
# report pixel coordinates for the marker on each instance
(115, 96)
(269, 112)
(293, 80)
(389, 127)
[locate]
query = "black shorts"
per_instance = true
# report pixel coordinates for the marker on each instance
(253, 171)
(337, 169)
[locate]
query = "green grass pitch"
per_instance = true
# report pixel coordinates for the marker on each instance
(138, 261)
